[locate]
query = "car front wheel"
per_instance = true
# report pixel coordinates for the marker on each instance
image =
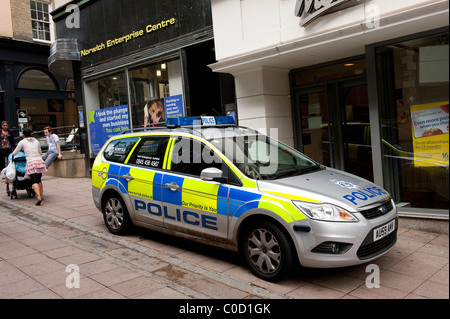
(267, 250)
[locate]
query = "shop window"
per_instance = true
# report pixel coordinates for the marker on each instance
(108, 91)
(414, 96)
(149, 85)
(144, 92)
(36, 80)
(40, 20)
(46, 109)
(70, 85)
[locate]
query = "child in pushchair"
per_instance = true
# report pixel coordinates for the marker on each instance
(20, 182)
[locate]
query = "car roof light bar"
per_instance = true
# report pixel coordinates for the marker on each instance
(187, 121)
(200, 121)
(138, 129)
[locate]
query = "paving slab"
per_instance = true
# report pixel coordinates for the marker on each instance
(38, 244)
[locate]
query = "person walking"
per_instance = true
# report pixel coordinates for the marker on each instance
(35, 167)
(54, 148)
(7, 144)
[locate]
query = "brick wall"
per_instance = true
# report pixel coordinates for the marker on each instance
(21, 19)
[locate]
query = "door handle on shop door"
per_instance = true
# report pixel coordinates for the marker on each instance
(172, 186)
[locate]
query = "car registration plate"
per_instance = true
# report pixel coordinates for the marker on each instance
(384, 230)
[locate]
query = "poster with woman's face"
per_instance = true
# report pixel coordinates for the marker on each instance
(154, 113)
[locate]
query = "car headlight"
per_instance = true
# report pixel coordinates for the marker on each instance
(326, 212)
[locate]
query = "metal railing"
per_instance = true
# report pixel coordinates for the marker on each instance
(69, 138)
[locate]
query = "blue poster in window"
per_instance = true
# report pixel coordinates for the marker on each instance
(106, 123)
(174, 106)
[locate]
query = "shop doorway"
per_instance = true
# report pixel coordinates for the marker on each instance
(334, 123)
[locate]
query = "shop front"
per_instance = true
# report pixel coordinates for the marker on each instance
(139, 63)
(361, 86)
(31, 96)
(412, 99)
(332, 106)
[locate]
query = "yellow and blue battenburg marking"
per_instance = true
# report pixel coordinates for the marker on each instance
(193, 193)
(242, 201)
(204, 196)
(198, 195)
(115, 171)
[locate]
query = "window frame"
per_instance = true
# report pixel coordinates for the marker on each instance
(41, 18)
(128, 149)
(221, 164)
(133, 158)
(191, 150)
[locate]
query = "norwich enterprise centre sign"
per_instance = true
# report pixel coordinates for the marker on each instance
(128, 37)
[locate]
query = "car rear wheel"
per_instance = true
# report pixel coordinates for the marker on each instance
(115, 215)
(267, 250)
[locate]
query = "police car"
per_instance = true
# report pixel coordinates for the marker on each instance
(206, 179)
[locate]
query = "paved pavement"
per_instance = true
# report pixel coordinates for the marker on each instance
(62, 250)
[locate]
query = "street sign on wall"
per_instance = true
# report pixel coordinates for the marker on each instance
(22, 116)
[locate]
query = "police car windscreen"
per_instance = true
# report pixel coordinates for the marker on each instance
(260, 157)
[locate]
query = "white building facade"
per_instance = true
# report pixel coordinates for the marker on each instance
(347, 82)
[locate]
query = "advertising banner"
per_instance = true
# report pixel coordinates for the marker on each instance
(430, 127)
(174, 106)
(106, 123)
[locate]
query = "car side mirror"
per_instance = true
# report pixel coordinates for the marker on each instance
(212, 174)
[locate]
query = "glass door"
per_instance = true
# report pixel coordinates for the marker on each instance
(357, 149)
(334, 125)
(315, 138)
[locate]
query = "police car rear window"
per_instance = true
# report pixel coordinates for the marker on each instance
(118, 150)
(150, 152)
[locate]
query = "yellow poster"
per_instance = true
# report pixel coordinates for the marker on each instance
(430, 129)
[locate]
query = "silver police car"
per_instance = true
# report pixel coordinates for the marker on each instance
(206, 179)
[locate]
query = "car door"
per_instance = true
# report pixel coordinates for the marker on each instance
(193, 205)
(109, 172)
(145, 177)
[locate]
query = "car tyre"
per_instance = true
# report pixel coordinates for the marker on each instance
(115, 215)
(267, 251)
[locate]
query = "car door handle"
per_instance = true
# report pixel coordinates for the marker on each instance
(172, 186)
(128, 177)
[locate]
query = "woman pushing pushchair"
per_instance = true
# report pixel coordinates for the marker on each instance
(35, 166)
(15, 173)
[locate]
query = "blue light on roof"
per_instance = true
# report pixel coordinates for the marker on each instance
(200, 120)
(222, 120)
(183, 121)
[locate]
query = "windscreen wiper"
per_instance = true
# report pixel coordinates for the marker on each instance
(298, 172)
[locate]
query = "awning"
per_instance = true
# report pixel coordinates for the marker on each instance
(62, 53)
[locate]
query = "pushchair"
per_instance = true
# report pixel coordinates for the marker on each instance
(20, 182)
